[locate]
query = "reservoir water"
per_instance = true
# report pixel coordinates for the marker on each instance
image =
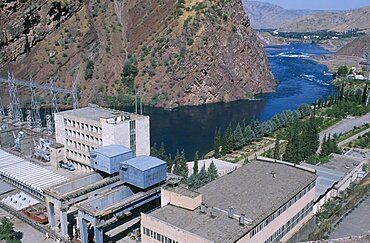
(192, 128)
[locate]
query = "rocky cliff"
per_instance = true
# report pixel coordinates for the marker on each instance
(169, 52)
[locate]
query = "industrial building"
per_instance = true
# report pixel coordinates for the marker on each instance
(261, 202)
(83, 130)
(337, 175)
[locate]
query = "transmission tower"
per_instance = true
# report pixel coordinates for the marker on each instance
(14, 109)
(35, 108)
(75, 95)
(49, 124)
(29, 118)
(54, 100)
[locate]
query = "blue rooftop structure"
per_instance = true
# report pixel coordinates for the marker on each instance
(112, 150)
(143, 171)
(108, 158)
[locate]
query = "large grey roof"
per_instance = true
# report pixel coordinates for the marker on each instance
(144, 162)
(343, 163)
(112, 150)
(250, 190)
(95, 113)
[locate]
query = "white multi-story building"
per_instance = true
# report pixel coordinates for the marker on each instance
(85, 129)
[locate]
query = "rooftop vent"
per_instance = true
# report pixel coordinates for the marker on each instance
(212, 212)
(242, 219)
(202, 208)
(230, 212)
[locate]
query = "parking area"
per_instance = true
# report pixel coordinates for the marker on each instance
(355, 223)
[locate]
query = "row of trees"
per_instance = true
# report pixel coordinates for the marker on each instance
(329, 145)
(202, 177)
(303, 140)
(243, 134)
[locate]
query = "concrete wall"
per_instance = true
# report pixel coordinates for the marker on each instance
(167, 230)
(143, 136)
(179, 200)
(116, 134)
(78, 184)
(57, 155)
(59, 129)
(111, 198)
(281, 220)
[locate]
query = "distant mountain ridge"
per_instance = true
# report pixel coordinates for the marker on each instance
(337, 21)
(269, 16)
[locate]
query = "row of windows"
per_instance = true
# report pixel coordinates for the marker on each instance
(133, 136)
(77, 156)
(275, 238)
(157, 236)
(83, 126)
(80, 146)
(84, 137)
(281, 210)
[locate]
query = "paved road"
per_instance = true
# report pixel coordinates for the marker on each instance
(355, 223)
(344, 126)
(259, 152)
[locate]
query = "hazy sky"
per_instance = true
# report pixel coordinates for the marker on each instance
(320, 4)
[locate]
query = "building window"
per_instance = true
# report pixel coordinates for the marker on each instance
(158, 237)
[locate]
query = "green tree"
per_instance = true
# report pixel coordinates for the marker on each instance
(154, 150)
(248, 135)
(217, 142)
(239, 140)
(227, 141)
(195, 167)
(364, 95)
(342, 71)
(212, 171)
(277, 149)
(7, 232)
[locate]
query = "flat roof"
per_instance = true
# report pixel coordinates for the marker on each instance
(112, 150)
(27, 173)
(326, 178)
(144, 162)
(97, 112)
(251, 190)
(343, 163)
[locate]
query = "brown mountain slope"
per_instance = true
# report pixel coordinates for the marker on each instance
(341, 21)
(169, 52)
(358, 47)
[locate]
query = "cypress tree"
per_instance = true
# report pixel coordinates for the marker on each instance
(195, 167)
(212, 172)
(176, 163)
(217, 143)
(154, 150)
(277, 149)
(341, 93)
(248, 135)
(162, 153)
(239, 140)
(364, 95)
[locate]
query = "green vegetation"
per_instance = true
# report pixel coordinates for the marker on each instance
(362, 142)
(317, 35)
(242, 135)
(89, 70)
(204, 176)
(7, 232)
(333, 210)
(128, 75)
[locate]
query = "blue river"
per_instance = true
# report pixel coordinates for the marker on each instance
(192, 128)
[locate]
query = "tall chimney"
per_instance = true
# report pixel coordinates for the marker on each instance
(242, 219)
(230, 212)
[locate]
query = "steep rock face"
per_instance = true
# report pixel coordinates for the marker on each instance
(169, 52)
(25, 23)
(207, 54)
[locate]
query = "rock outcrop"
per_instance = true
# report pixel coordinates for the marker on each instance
(169, 52)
